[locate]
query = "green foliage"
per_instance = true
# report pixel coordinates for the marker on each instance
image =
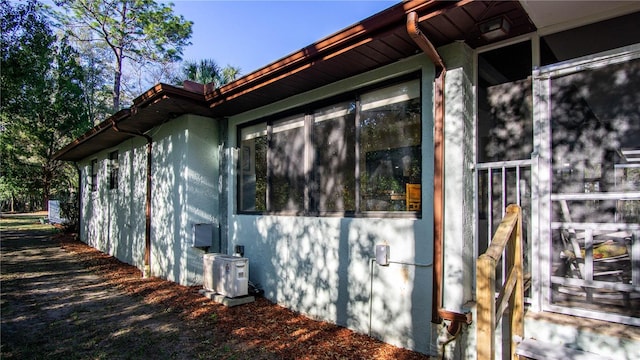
(207, 71)
(42, 105)
(136, 31)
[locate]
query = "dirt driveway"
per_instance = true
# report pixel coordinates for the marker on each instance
(61, 299)
(53, 307)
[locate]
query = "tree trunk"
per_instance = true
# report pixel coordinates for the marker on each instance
(116, 80)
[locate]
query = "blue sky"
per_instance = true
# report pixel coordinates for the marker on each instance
(252, 34)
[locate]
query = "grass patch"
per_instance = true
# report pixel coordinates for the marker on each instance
(25, 222)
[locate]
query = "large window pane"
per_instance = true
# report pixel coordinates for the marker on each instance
(287, 165)
(309, 164)
(253, 168)
(595, 125)
(390, 148)
(334, 171)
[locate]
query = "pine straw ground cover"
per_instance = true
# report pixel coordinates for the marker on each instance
(256, 330)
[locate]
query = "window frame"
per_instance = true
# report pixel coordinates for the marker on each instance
(307, 111)
(93, 175)
(114, 169)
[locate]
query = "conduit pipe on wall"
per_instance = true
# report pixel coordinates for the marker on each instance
(147, 213)
(437, 312)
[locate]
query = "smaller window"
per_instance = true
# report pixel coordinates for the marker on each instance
(114, 167)
(94, 175)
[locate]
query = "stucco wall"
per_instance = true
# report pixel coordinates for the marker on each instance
(111, 220)
(322, 266)
(184, 192)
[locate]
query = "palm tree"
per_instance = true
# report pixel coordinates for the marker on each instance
(208, 71)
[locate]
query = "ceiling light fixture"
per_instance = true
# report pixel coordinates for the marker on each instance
(494, 28)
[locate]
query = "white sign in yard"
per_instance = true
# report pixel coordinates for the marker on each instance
(54, 212)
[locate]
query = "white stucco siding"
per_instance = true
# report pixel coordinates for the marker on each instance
(459, 263)
(322, 266)
(184, 192)
(110, 218)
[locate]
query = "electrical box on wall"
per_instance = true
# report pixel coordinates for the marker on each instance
(203, 235)
(382, 255)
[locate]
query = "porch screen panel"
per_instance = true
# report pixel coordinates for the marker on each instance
(333, 185)
(390, 147)
(253, 168)
(595, 127)
(287, 159)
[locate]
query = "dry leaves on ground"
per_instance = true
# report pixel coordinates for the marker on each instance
(259, 329)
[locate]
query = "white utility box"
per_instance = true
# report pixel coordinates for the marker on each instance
(226, 275)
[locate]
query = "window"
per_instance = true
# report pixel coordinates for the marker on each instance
(354, 156)
(334, 135)
(253, 168)
(94, 175)
(390, 146)
(286, 162)
(114, 167)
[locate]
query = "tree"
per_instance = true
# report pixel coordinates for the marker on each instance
(42, 104)
(138, 31)
(207, 71)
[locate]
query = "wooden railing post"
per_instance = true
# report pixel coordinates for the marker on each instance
(514, 266)
(486, 309)
(489, 310)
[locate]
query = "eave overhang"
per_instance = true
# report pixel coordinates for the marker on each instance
(379, 40)
(156, 106)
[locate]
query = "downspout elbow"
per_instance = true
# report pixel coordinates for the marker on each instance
(413, 28)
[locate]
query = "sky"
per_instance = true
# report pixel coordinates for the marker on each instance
(253, 34)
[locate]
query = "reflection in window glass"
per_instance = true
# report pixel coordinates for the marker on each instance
(287, 165)
(390, 146)
(344, 159)
(253, 168)
(334, 136)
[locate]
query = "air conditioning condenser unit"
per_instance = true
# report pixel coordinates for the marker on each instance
(226, 275)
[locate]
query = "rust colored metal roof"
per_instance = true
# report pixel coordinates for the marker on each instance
(379, 40)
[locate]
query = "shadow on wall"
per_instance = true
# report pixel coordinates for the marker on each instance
(322, 267)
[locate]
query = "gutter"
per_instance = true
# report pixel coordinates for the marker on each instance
(147, 230)
(437, 312)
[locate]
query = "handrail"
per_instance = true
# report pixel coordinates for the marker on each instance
(509, 236)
